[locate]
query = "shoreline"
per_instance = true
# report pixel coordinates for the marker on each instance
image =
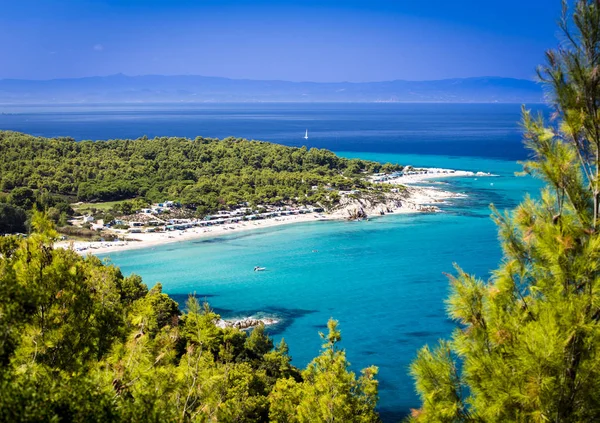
(149, 240)
(431, 173)
(413, 200)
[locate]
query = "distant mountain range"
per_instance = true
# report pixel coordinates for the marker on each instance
(169, 89)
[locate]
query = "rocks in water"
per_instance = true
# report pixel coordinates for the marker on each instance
(246, 323)
(357, 214)
(423, 208)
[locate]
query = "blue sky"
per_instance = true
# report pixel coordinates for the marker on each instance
(308, 40)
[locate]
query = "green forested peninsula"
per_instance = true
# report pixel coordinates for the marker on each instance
(81, 343)
(205, 173)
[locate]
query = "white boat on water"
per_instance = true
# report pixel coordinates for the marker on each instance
(306, 135)
(259, 269)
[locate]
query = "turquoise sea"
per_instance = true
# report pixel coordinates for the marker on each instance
(382, 279)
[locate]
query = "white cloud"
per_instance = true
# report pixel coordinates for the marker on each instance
(98, 47)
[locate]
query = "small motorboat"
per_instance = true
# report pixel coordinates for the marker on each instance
(259, 269)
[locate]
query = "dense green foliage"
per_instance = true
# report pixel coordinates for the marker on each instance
(327, 391)
(527, 346)
(12, 219)
(203, 173)
(80, 342)
(17, 206)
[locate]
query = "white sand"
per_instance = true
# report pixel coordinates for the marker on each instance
(418, 200)
(434, 173)
(147, 240)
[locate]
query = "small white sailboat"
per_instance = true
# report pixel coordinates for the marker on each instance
(259, 269)
(306, 135)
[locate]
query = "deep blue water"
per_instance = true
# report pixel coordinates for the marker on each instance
(484, 130)
(382, 279)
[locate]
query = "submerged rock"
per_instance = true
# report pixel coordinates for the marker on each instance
(246, 323)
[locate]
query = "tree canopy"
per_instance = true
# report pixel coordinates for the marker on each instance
(80, 342)
(527, 345)
(203, 173)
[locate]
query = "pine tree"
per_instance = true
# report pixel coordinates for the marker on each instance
(527, 346)
(329, 392)
(80, 342)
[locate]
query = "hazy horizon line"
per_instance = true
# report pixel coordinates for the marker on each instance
(271, 80)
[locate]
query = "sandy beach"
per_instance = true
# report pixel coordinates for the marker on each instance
(415, 200)
(148, 240)
(433, 173)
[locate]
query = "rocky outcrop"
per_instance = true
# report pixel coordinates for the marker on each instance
(411, 199)
(246, 323)
(356, 214)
